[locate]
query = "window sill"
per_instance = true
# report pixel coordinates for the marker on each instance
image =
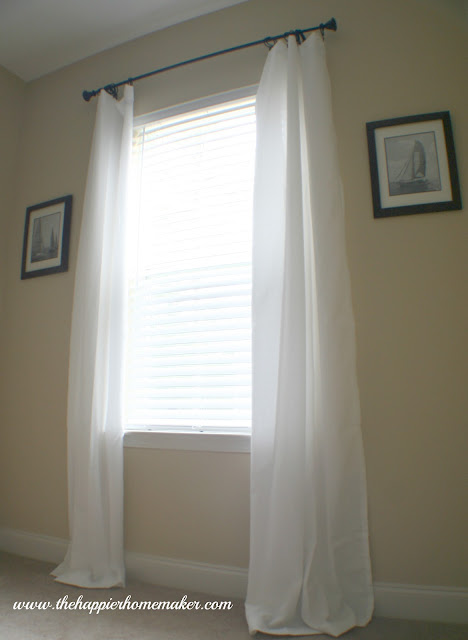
(221, 442)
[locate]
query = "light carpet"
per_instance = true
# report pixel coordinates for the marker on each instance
(22, 580)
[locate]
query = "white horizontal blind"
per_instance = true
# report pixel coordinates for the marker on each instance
(189, 358)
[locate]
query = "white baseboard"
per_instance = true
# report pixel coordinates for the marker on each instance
(32, 545)
(410, 602)
(419, 602)
(229, 582)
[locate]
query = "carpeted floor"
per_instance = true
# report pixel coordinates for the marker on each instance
(24, 580)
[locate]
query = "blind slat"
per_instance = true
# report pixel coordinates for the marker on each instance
(189, 354)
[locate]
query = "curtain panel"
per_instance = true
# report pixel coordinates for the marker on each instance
(309, 557)
(95, 556)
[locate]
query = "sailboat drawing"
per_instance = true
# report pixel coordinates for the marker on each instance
(412, 177)
(45, 237)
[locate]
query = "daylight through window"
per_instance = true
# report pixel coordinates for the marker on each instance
(189, 355)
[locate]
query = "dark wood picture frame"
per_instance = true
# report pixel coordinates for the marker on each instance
(46, 238)
(413, 165)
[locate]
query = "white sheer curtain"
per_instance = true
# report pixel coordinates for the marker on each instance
(95, 428)
(309, 569)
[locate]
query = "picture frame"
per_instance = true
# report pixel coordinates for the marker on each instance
(413, 165)
(46, 238)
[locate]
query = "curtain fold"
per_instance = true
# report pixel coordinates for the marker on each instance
(309, 557)
(95, 555)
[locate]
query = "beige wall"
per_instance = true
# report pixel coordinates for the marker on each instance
(11, 108)
(409, 278)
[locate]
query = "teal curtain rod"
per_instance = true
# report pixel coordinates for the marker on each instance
(268, 41)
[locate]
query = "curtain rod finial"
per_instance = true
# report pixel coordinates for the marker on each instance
(330, 25)
(87, 95)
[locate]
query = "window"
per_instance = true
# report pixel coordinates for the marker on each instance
(189, 355)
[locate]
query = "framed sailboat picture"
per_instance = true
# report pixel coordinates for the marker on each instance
(46, 238)
(413, 165)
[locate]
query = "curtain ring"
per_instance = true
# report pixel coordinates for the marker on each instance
(112, 90)
(269, 42)
(300, 37)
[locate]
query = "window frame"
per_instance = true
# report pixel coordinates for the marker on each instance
(183, 439)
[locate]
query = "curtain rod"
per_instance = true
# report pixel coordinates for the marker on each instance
(269, 41)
